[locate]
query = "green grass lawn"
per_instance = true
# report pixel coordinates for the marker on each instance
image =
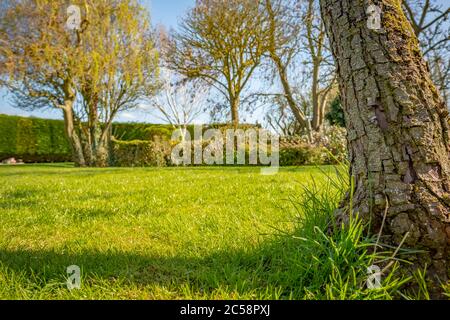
(173, 233)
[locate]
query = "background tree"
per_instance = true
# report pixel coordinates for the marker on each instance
(431, 25)
(120, 70)
(284, 25)
(398, 130)
(180, 100)
(90, 73)
(297, 38)
(39, 61)
(280, 118)
(221, 42)
(318, 57)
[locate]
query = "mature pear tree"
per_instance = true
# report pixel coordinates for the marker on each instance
(398, 128)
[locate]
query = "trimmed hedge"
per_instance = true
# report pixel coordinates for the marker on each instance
(44, 140)
(138, 131)
(33, 140)
(336, 115)
(140, 153)
(143, 131)
(304, 155)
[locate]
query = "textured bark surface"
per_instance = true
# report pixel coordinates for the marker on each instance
(398, 129)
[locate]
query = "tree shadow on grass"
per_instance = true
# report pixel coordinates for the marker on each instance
(18, 199)
(257, 273)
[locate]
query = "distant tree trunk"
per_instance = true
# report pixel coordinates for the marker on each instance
(72, 136)
(235, 101)
(288, 94)
(282, 67)
(398, 129)
(323, 106)
(103, 147)
(316, 106)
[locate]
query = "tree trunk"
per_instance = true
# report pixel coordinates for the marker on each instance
(398, 129)
(74, 140)
(282, 72)
(102, 155)
(298, 114)
(323, 106)
(316, 106)
(235, 101)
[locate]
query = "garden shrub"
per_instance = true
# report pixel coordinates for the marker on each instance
(303, 154)
(140, 153)
(327, 147)
(334, 140)
(335, 116)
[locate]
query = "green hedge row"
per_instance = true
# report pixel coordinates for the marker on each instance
(33, 140)
(158, 154)
(143, 131)
(44, 140)
(140, 131)
(140, 153)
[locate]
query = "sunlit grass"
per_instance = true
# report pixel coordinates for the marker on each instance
(142, 233)
(187, 233)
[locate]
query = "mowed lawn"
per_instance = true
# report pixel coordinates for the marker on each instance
(172, 233)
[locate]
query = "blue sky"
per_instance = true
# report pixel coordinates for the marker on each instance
(165, 12)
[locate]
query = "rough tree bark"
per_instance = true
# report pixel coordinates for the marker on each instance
(398, 129)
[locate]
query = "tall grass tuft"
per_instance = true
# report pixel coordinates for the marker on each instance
(331, 260)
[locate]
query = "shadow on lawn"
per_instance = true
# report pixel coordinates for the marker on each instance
(18, 199)
(259, 272)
